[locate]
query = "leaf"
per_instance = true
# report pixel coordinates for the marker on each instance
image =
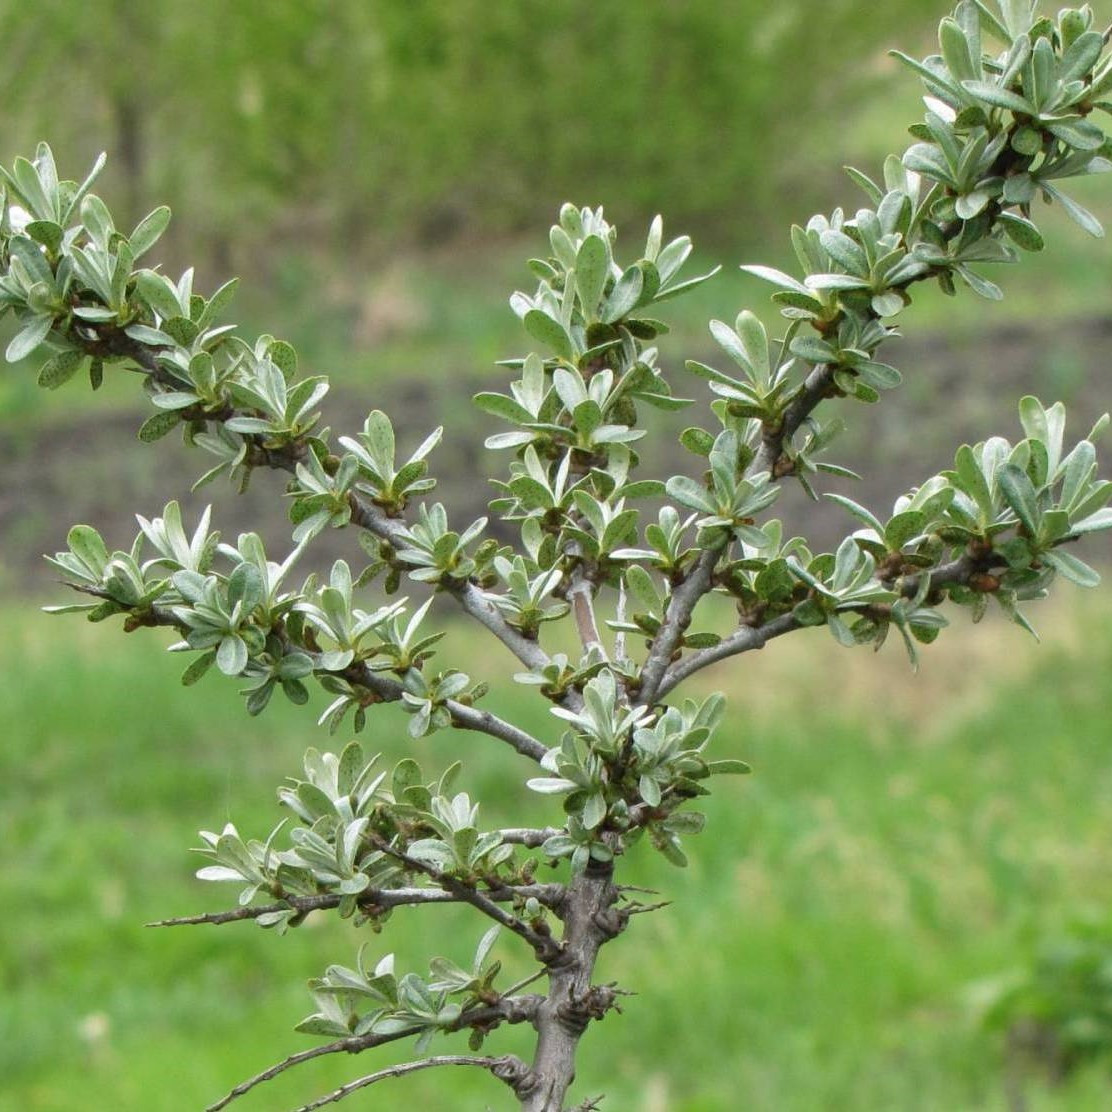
(149, 230)
(778, 278)
(689, 493)
(500, 405)
(158, 425)
(1078, 214)
(845, 252)
(594, 810)
(284, 357)
(624, 296)
(28, 338)
(1082, 135)
(231, 656)
(1070, 567)
(1081, 56)
(591, 272)
(86, 544)
(545, 330)
(60, 369)
(973, 481)
(989, 93)
(1021, 231)
(197, 668)
(728, 767)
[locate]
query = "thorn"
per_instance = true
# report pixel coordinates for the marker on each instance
(642, 909)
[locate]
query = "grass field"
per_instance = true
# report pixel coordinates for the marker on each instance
(903, 838)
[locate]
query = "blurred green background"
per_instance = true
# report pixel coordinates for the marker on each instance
(378, 172)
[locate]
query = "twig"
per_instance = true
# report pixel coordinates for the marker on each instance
(581, 594)
(644, 909)
(401, 1070)
(364, 512)
(957, 572)
(375, 520)
(548, 895)
(463, 716)
(676, 619)
(528, 837)
(544, 946)
(387, 688)
(518, 1009)
(742, 640)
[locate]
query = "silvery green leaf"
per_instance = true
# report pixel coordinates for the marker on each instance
(29, 337)
(1076, 212)
(149, 231)
(1081, 135)
(231, 656)
(1072, 568)
(592, 268)
(625, 295)
(60, 368)
(550, 332)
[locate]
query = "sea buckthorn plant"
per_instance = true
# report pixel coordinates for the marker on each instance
(587, 539)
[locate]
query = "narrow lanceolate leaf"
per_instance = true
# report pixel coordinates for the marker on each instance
(1074, 211)
(778, 278)
(994, 95)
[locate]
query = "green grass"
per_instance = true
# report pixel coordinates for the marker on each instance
(819, 952)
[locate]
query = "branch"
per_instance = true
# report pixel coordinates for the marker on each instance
(957, 572)
(364, 512)
(517, 1009)
(503, 1068)
(463, 716)
(742, 640)
(549, 895)
(375, 520)
(676, 620)
(581, 594)
(385, 687)
(546, 948)
(814, 389)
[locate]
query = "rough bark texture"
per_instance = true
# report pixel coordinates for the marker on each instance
(572, 1002)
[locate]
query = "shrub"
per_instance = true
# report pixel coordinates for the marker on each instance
(1002, 130)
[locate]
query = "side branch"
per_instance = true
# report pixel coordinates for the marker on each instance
(387, 688)
(364, 512)
(814, 389)
(676, 620)
(516, 1009)
(375, 520)
(463, 716)
(959, 572)
(507, 1068)
(742, 640)
(376, 899)
(546, 948)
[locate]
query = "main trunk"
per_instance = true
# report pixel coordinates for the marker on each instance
(589, 922)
